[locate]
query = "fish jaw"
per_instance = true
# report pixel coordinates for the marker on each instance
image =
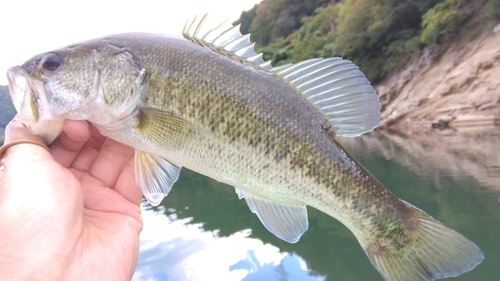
(33, 109)
(82, 82)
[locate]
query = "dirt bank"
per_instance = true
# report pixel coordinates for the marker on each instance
(454, 85)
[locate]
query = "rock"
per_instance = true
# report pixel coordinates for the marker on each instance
(454, 85)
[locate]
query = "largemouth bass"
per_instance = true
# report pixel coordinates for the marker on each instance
(212, 105)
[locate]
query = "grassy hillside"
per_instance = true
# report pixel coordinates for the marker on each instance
(378, 35)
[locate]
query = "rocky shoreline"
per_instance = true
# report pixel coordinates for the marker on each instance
(455, 85)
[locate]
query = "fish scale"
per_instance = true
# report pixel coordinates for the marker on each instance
(295, 180)
(211, 104)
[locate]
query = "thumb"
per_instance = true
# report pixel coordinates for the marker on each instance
(17, 133)
(40, 204)
(27, 169)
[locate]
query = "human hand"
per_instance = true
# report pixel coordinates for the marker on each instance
(71, 214)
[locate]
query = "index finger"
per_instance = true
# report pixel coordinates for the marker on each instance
(67, 145)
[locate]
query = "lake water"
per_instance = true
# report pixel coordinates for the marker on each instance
(201, 231)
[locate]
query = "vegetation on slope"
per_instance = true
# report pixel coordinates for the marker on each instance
(7, 110)
(377, 35)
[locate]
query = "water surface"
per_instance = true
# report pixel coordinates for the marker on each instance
(201, 231)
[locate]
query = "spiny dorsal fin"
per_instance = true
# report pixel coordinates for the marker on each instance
(336, 87)
(224, 40)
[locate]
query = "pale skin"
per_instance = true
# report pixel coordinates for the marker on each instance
(71, 214)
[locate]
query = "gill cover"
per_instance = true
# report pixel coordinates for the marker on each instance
(120, 80)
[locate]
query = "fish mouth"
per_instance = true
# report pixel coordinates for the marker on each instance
(18, 87)
(30, 100)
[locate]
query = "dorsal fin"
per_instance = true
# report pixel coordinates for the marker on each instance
(336, 87)
(339, 90)
(227, 41)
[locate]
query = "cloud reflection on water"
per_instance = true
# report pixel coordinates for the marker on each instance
(176, 249)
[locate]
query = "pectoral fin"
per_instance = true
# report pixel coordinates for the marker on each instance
(155, 176)
(287, 222)
(163, 128)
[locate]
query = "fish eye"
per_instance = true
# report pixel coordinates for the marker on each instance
(50, 63)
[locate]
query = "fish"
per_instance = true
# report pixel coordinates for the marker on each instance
(208, 102)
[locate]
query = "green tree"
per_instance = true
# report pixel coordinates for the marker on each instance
(246, 19)
(440, 20)
(316, 36)
(279, 18)
(491, 10)
(378, 35)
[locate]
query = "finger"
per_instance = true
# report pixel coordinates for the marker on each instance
(111, 161)
(16, 133)
(67, 146)
(26, 170)
(126, 185)
(89, 152)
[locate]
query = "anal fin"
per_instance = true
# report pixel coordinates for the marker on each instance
(287, 222)
(155, 176)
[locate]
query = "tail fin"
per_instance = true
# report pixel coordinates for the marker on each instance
(427, 251)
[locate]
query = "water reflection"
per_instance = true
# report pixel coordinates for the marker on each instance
(473, 152)
(178, 249)
(203, 232)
